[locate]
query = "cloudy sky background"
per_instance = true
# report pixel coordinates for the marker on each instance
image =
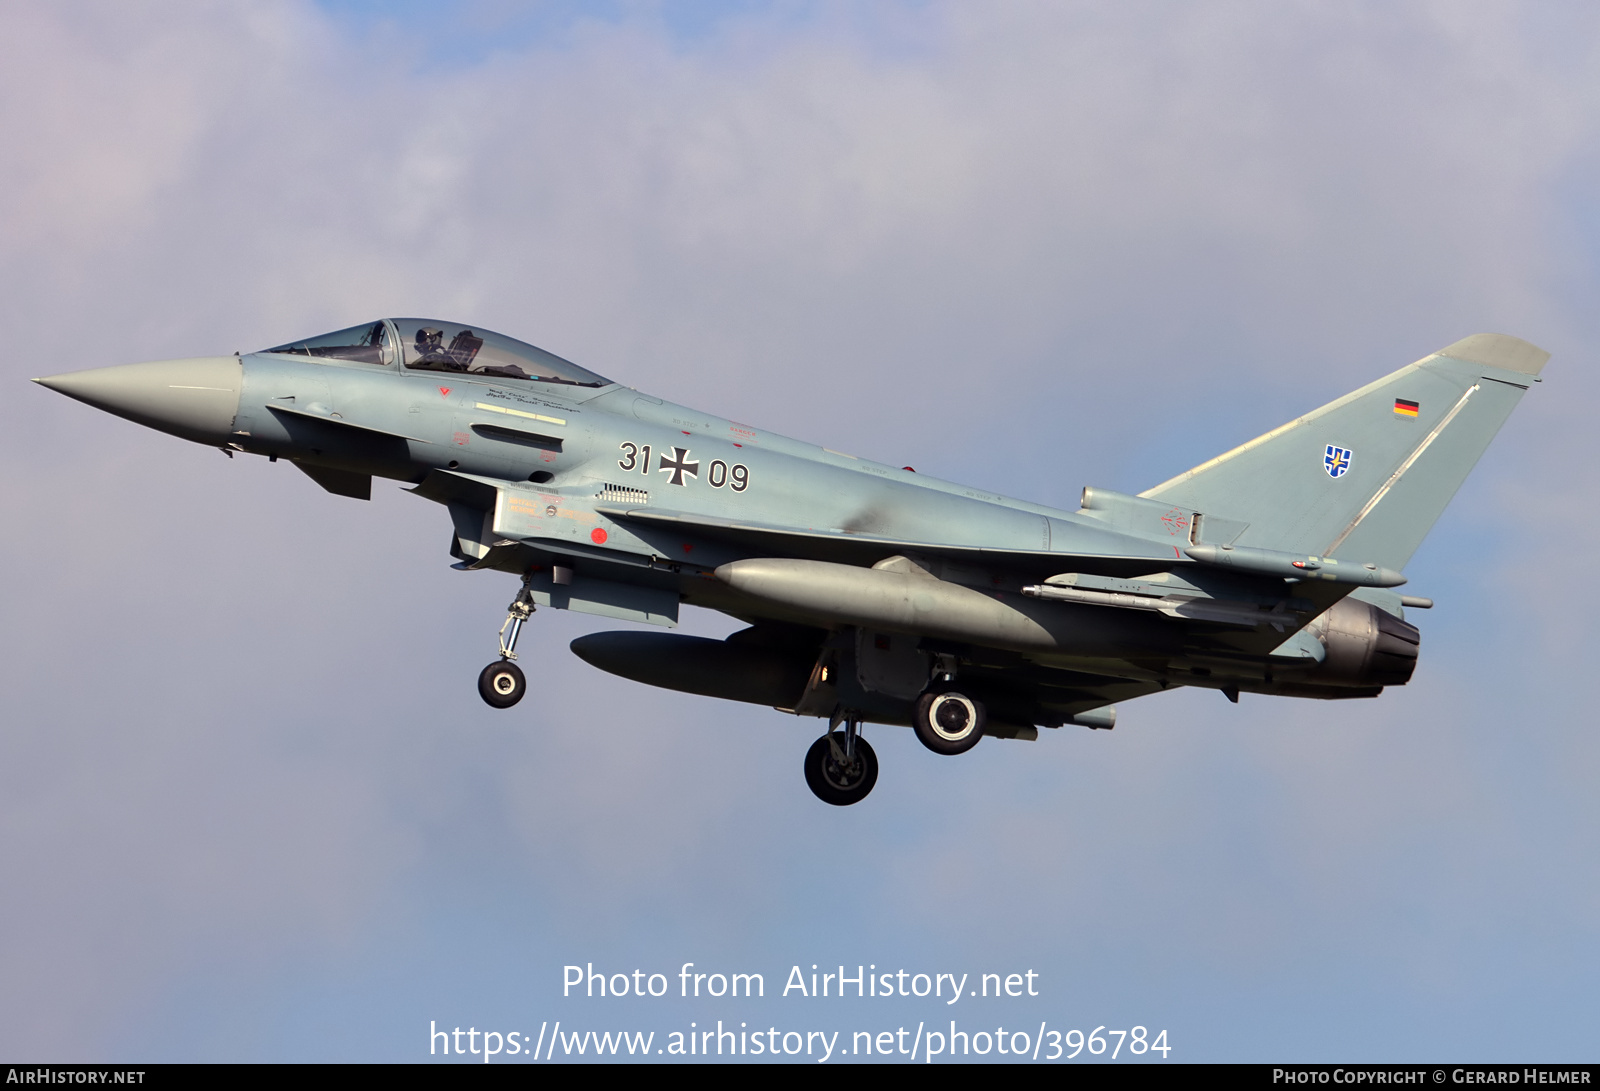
(250, 806)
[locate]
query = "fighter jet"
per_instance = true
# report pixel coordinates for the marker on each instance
(871, 593)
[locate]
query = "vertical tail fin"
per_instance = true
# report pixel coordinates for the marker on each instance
(1366, 477)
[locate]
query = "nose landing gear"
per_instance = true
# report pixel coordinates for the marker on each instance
(502, 684)
(840, 767)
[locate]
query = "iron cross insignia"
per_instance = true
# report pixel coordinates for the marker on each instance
(678, 465)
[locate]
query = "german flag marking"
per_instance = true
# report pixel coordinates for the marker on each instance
(1404, 408)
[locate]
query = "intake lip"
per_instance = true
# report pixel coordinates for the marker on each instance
(195, 399)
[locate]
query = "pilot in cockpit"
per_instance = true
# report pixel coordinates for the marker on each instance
(431, 354)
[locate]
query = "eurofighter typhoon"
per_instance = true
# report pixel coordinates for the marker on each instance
(872, 593)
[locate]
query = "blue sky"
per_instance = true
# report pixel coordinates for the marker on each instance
(249, 803)
(471, 31)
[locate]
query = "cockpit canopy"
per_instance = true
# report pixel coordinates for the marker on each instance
(424, 344)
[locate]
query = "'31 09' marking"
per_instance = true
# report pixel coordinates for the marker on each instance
(718, 474)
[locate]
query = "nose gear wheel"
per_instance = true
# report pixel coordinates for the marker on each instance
(502, 684)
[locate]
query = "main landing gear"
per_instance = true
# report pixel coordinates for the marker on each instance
(502, 683)
(946, 719)
(840, 767)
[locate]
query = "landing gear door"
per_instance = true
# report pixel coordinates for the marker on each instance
(891, 663)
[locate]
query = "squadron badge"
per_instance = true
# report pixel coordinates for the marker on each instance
(1336, 461)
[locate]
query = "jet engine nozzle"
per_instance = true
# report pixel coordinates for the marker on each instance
(193, 399)
(1365, 646)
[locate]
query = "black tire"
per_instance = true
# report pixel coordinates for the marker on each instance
(949, 721)
(835, 782)
(501, 684)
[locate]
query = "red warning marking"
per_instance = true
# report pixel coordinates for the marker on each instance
(687, 548)
(738, 445)
(444, 392)
(598, 535)
(681, 430)
(913, 469)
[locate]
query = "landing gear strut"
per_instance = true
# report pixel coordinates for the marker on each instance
(502, 683)
(840, 767)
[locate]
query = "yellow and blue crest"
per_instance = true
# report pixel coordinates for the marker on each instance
(1336, 461)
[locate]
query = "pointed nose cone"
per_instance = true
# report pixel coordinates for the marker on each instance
(194, 399)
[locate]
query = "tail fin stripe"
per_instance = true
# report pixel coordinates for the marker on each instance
(1404, 466)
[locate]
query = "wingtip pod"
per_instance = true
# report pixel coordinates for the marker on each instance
(1498, 350)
